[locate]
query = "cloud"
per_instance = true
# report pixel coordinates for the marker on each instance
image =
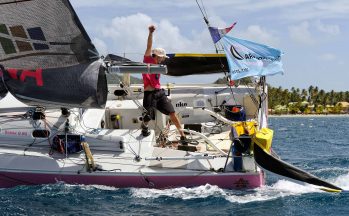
(259, 34)
(101, 46)
(328, 57)
(328, 29)
(301, 33)
(252, 5)
(128, 34)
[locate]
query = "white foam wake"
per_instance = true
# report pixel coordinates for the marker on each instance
(342, 181)
(281, 188)
(183, 193)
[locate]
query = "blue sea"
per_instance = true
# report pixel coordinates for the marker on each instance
(319, 145)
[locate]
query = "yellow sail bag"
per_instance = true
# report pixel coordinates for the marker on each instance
(263, 138)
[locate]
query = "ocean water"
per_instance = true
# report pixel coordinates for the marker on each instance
(319, 145)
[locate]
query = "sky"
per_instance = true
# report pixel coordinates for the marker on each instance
(312, 34)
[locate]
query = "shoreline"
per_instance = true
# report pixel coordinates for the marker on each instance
(309, 115)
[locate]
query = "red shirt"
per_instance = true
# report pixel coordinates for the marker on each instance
(152, 80)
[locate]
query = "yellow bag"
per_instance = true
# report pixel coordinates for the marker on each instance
(263, 138)
(245, 127)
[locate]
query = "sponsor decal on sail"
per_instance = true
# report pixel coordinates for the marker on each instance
(25, 40)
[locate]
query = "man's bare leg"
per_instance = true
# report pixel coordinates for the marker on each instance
(176, 122)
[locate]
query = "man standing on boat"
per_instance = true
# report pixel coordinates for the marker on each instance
(154, 96)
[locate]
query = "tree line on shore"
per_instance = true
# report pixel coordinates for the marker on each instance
(306, 101)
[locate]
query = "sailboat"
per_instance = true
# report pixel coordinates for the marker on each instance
(66, 124)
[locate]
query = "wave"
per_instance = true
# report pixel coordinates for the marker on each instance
(343, 181)
(281, 188)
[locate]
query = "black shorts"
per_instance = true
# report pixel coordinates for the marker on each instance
(157, 99)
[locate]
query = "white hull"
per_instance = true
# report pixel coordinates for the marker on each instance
(122, 156)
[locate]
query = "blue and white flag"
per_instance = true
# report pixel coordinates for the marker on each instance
(246, 58)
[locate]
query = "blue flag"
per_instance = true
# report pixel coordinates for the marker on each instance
(246, 58)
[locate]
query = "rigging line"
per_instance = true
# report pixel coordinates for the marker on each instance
(225, 73)
(138, 104)
(252, 96)
(227, 77)
(51, 125)
(203, 7)
(205, 19)
(81, 122)
(29, 146)
(131, 149)
(150, 183)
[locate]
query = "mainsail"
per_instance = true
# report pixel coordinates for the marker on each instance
(46, 56)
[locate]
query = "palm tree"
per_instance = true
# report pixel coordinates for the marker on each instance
(310, 90)
(332, 99)
(298, 95)
(347, 96)
(321, 97)
(326, 99)
(315, 95)
(285, 97)
(293, 94)
(304, 94)
(341, 96)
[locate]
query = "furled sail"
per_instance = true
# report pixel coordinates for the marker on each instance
(178, 64)
(46, 56)
(181, 64)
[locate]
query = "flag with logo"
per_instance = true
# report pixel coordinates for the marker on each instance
(247, 58)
